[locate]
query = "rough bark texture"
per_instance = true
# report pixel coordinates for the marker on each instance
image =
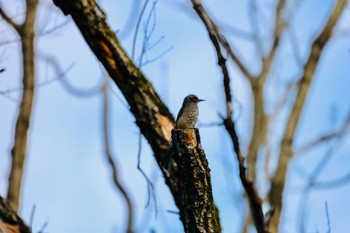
(198, 210)
(286, 152)
(27, 34)
(10, 222)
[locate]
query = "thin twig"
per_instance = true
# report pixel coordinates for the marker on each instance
(9, 20)
(42, 229)
(6, 93)
(214, 37)
(255, 202)
(112, 162)
(254, 23)
(213, 30)
(337, 133)
(150, 187)
(31, 218)
(234, 31)
(327, 217)
(312, 179)
(150, 60)
(207, 125)
(54, 28)
(64, 81)
(137, 30)
(148, 32)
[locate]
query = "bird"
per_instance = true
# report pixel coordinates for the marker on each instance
(188, 114)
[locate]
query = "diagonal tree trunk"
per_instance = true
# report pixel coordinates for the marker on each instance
(151, 114)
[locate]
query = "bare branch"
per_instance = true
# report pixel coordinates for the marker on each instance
(237, 32)
(254, 23)
(312, 178)
(336, 134)
(62, 77)
(111, 160)
(207, 125)
(345, 179)
(150, 187)
(260, 123)
(235, 58)
(44, 32)
(9, 20)
(62, 74)
(217, 36)
(295, 46)
(255, 202)
(23, 121)
(137, 29)
(279, 27)
(283, 100)
(327, 217)
(214, 37)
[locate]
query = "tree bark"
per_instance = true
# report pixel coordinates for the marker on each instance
(197, 210)
(10, 222)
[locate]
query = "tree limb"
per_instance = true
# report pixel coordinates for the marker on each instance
(115, 175)
(254, 200)
(214, 37)
(260, 123)
(22, 125)
(214, 32)
(9, 20)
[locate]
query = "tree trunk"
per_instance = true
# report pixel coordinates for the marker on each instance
(198, 211)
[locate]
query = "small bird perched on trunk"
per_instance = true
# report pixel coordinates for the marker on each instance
(188, 115)
(186, 119)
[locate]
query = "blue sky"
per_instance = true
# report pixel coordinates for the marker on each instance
(67, 177)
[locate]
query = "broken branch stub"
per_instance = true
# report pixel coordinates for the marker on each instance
(10, 222)
(198, 211)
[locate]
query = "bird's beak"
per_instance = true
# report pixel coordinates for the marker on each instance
(200, 100)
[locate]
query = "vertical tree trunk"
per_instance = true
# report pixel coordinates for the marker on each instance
(198, 211)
